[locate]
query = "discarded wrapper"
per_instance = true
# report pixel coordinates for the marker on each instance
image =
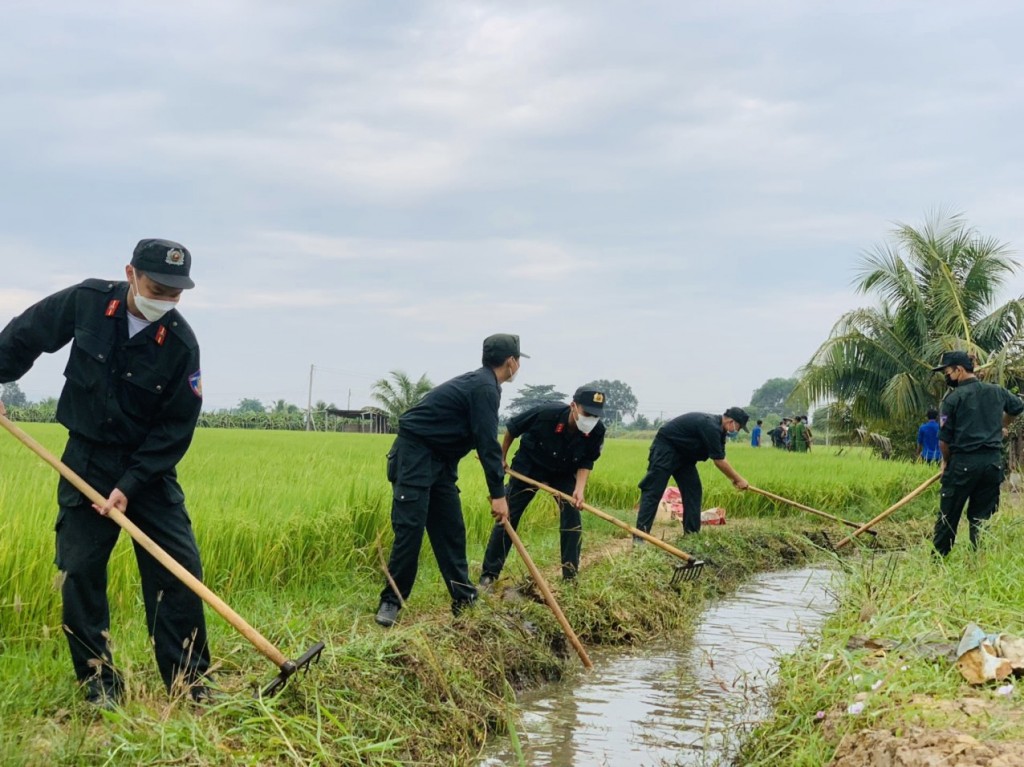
(978, 660)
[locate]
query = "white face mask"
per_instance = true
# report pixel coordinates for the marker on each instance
(151, 308)
(512, 377)
(586, 423)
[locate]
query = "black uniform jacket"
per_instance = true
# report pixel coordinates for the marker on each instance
(550, 444)
(974, 416)
(140, 396)
(695, 436)
(458, 416)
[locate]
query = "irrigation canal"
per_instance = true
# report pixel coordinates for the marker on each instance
(673, 704)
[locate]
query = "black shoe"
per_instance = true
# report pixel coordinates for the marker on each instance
(387, 614)
(486, 585)
(461, 605)
(201, 695)
(103, 694)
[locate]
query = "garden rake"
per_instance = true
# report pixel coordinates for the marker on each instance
(287, 667)
(866, 527)
(545, 590)
(824, 535)
(688, 571)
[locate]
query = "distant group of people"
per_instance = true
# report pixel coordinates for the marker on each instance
(790, 434)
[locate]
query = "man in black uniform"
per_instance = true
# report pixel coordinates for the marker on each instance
(971, 443)
(130, 402)
(559, 446)
(433, 436)
(675, 452)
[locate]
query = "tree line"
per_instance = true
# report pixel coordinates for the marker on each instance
(934, 289)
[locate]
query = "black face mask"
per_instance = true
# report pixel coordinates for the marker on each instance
(950, 382)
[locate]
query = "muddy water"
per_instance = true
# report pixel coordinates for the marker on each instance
(673, 704)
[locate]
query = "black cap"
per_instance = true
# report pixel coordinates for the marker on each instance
(164, 261)
(949, 359)
(500, 346)
(739, 415)
(591, 400)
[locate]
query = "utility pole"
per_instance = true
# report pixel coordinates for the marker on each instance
(349, 406)
(309, 402)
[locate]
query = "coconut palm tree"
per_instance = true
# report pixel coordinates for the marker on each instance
(936, 286)
(399, 394)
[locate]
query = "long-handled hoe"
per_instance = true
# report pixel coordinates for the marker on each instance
(545, 591)
(287, 667)
(866, 527)
(688, 571)
(811, 510)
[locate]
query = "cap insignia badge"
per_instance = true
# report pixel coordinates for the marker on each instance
(598, 397)
(175, 257)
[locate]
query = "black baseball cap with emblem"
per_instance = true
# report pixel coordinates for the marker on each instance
(164, 261)
(591, 400)
(950, 359)
(739, 415)
(501, 346)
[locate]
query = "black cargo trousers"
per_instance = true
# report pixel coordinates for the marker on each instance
(519, 496)
(426, 498)
(664, 461)
(85, 539)
(973, 479)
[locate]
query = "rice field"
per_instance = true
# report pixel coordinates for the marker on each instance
(277, 510)
(291, 527)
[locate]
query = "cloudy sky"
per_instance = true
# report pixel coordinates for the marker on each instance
(673, 194)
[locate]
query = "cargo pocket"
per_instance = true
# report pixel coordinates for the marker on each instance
(76, 457)
(392, 464)
(57, 558)
(412, 465)
(406, 493)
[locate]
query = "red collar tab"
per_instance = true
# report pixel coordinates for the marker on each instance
(161, 335)
(559, 428)
(112, 307)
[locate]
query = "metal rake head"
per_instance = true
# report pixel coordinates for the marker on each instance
(688, 571)
(312, 655)
(828, 543)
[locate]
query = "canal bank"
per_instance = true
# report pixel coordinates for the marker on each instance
(670, 701)
(880, 685)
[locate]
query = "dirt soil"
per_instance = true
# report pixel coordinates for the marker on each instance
(919, 747)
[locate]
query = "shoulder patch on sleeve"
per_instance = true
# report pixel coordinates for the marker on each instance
(195, 383)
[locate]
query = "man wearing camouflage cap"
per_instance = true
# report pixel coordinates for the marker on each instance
(130, 402)
(559, 446)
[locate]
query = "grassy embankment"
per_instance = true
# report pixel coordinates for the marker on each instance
(288, 525)
(904, 685)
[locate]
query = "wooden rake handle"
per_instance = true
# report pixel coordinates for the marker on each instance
(549, 598)
(899, 504)
(780, 499)
(196, 585)
(607, 517)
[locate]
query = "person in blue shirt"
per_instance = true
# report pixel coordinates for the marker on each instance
(928, 438)
(755, 435)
